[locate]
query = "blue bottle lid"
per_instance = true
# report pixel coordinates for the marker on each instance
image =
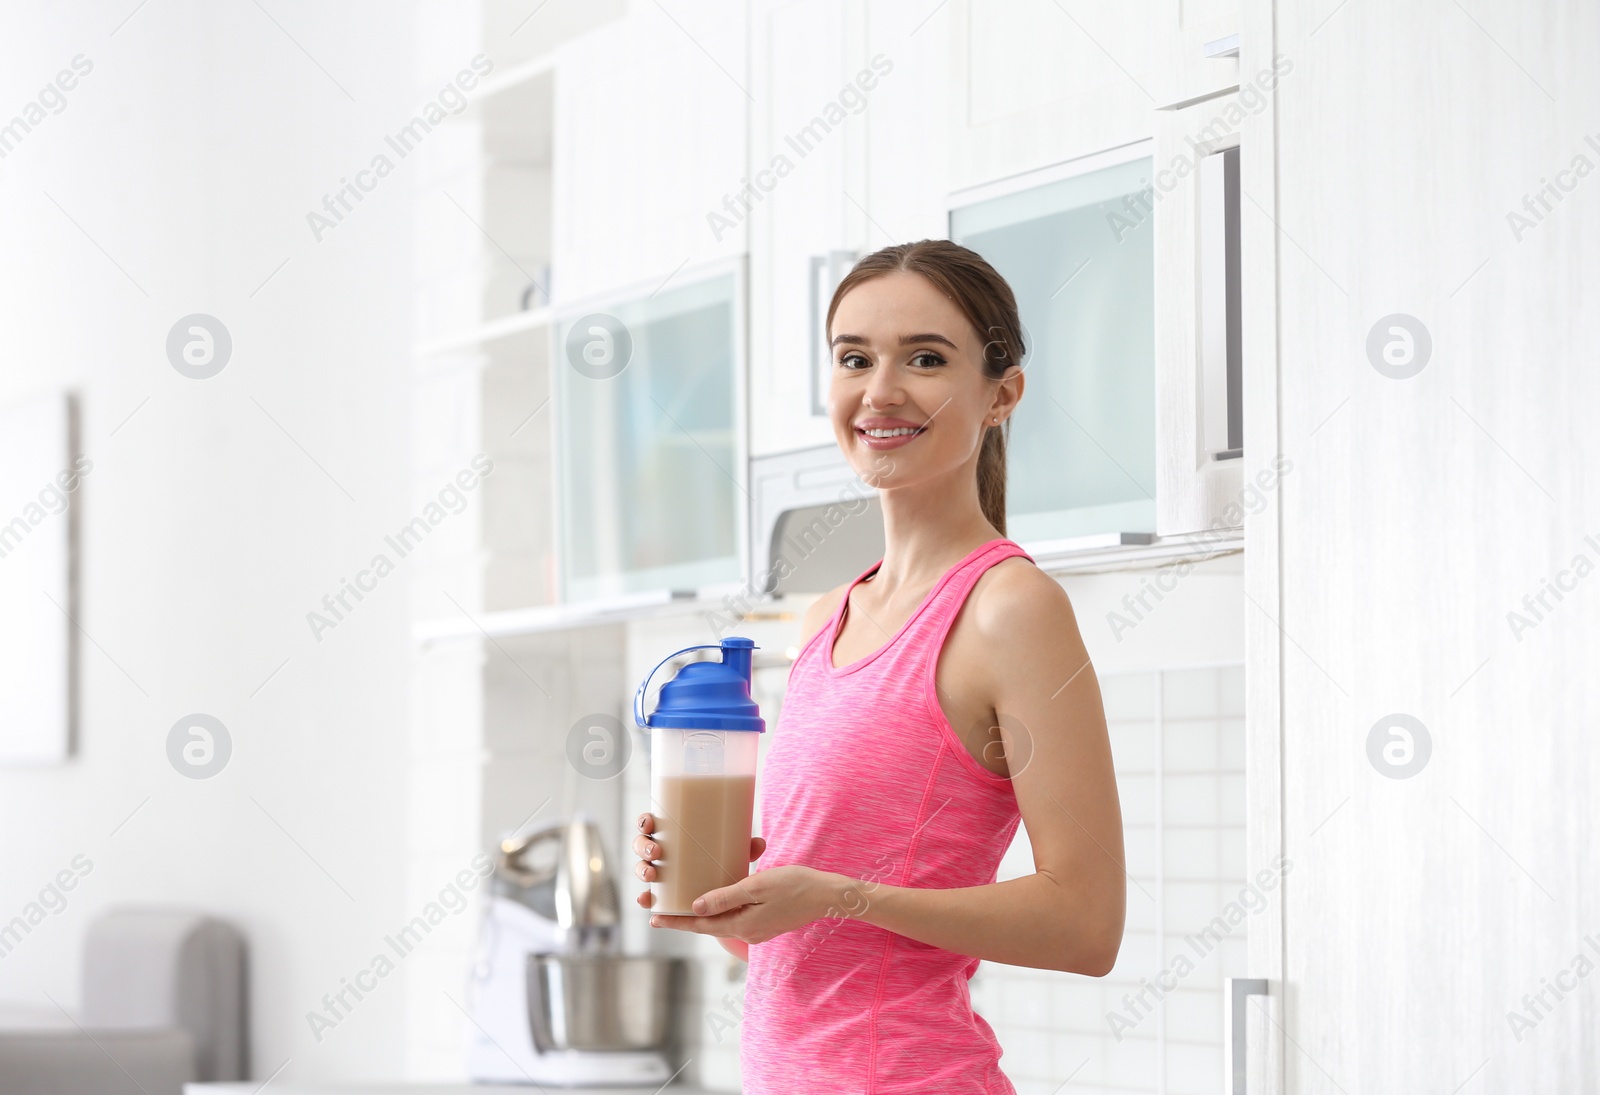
(705, 695)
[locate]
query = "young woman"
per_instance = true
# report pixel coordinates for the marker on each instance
(937, 700)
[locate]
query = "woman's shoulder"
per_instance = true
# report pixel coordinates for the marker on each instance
(1015, 599)
(1017, 625)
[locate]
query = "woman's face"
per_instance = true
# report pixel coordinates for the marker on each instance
(909, 400)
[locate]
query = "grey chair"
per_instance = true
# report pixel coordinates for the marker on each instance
(163, 1004)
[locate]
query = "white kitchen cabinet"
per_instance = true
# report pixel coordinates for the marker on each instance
(849, 153)
(1195, 205)
(802, 173)
(1037, 83)
(1075, 244)
(650, 465)
(650, 120)
(908, 181)
(1195, 49)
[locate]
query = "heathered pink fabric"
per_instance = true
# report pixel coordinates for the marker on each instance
(866, 778)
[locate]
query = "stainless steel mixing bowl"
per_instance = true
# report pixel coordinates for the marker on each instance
(603, 1001)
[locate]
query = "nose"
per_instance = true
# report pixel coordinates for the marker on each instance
(883, 388)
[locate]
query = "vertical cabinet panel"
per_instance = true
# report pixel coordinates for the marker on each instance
(907, 178)
(1196, 50)
(799, 174)
(850, 152)
(649, 145)
(1199, 476)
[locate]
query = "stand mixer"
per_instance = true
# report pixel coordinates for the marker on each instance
(553, 999)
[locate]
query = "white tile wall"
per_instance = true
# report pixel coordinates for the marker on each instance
(1177, 740)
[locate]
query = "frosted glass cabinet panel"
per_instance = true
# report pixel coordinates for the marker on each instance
(648, 456)
(1076, 247)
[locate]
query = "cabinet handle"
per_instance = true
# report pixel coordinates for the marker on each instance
(1220, 307)
(835, 264)
(1223, 47)
(1238, 990)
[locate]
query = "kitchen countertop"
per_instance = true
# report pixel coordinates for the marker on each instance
(401, 1088)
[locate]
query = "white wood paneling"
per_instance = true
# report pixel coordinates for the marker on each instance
(855, 96)
(1180, 33)
(1037, 83)
(1424, 913)
(1263, 587)
(1193, 491)
(805, 161)
(650, 138)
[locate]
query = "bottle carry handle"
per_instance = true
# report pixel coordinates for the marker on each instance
(638, 697)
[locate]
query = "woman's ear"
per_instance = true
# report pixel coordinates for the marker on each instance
(1008, 393)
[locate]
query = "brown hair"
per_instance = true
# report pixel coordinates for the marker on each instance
(986, 300)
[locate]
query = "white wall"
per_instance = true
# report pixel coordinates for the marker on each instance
(190, 156)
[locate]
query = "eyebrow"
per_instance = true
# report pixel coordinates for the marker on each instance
(905, 340)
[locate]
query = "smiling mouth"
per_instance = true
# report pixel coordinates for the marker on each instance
(901, 431)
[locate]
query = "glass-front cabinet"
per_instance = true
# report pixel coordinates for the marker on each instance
(650, 463)
(1076, 245)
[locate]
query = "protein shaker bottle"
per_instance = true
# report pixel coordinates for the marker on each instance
(702, 774)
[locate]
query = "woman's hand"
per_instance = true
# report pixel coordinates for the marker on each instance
(649, 853)
(755, 909)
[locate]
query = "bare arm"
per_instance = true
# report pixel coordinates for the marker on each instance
(1068, 914)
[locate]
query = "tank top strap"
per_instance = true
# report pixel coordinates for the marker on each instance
(926, 632)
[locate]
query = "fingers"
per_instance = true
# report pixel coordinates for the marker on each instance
(757, 846)
(646, 849)
(644, 870)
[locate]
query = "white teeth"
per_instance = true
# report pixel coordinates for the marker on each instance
(901, 432)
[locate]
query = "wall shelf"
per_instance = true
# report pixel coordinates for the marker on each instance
(1130, 550)
(495, 329)
(516, 78)
(511, 622)
(1079, 555)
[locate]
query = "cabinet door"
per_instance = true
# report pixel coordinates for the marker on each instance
(803, 173)
(850, 144)
(1196, 50)
(649, 145)
(1197, 334)
(908, 151)
(1075, 245)
(649, 465)
(1037, 83)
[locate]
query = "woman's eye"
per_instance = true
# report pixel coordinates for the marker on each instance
(928, 359)
(848, 361)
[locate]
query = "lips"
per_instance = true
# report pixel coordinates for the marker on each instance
(888, 433)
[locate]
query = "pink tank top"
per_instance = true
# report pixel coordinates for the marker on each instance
(865, 777)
